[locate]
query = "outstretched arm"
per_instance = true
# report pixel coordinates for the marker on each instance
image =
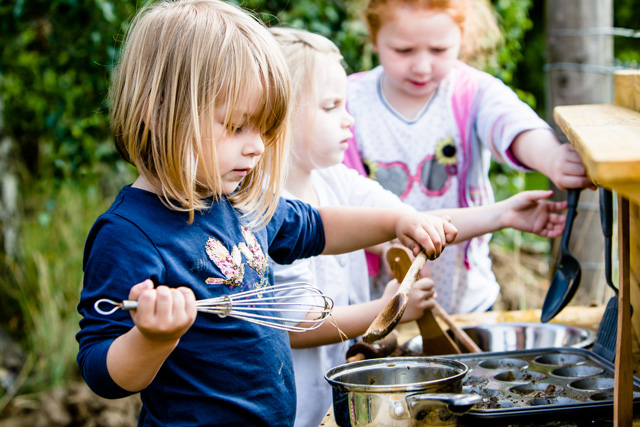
(526, 211)
(347, 322)
(350, 228)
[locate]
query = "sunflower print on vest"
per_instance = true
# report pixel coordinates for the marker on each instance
(433, 174)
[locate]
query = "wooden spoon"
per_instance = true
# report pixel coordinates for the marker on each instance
(434, 340)
(391, 314)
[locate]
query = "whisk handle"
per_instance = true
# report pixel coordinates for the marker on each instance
(129, 305)
(125, 305)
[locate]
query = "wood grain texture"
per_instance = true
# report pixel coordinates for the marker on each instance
(608, 139)
(623, 383)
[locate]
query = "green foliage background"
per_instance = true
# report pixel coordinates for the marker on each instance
(54, 72)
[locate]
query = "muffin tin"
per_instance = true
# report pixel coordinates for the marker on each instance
(558, 382)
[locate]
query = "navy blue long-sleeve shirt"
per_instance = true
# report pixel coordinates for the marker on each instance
(224, 371)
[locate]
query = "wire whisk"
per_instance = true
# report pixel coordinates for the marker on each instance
(292, 307)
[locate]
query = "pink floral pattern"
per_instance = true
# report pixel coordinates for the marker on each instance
(253, 252)
(231, 265)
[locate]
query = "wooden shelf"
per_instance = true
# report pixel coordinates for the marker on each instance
(608, 140)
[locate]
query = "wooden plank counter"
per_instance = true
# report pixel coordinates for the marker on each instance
(608, 140)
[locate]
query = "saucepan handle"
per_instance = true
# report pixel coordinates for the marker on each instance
(456, 403)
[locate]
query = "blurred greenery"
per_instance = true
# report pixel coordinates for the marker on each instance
(55, 61)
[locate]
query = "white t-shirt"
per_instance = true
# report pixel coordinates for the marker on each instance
(342, 277)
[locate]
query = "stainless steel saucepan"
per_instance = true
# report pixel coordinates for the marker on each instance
(399, 391)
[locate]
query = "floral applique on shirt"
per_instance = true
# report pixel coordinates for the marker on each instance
(231, 265)
(253, 252)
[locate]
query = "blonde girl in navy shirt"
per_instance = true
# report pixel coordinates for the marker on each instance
(200, 102)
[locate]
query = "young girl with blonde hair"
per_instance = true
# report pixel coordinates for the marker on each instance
(321, 131)
(428, 125)
(200, 103)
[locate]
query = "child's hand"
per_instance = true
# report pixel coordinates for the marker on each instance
(425, 231)
(163, 314)
(528, 211)
(421, 298)
(566, 169)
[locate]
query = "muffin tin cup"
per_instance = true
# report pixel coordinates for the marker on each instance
(554, 383)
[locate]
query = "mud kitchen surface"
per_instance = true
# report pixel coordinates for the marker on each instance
(554, 386)
(550, 384)
(554, 383)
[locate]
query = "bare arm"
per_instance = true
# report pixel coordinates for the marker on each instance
(354, 320)
(350, 228)
(162, 317)
(526, 211)
(539, 149)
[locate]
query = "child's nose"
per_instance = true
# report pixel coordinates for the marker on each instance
(253, 146)
(422, 63)
(348, 120)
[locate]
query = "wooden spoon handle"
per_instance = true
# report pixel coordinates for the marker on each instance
(459, 333)
(435, 341)
(412, 275)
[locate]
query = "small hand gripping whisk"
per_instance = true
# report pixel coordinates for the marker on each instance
(292, 307)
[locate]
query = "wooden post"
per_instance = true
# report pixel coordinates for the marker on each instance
(627, 94)
(623, 389)
(580, 57)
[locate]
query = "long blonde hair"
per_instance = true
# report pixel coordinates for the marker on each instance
(477, 20)
(306, 54)
(180, 61)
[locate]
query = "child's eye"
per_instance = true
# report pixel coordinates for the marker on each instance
(329, 107)
(236, 129)
(403, 51)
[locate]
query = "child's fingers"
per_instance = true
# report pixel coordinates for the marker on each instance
(574, 167)
(557, 206)
(436, 225)
(164, 301)
(189, 299)
(451, 232)
(535, 195)
(184, 307)
(557, 219)
(426, 244)
(139, 288)
(425, 284)
(423, 288)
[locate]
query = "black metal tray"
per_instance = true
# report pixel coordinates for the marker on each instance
(556, 383)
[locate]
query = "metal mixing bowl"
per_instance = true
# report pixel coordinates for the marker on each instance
(510, 336)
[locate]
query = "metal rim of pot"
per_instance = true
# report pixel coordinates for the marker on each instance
(418, 399)
(391, 362)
